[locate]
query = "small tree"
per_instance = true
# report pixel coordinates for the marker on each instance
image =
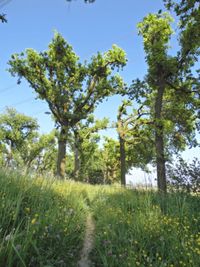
(71, 89)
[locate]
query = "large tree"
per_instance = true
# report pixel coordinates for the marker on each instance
(167, 91)
(71, 89)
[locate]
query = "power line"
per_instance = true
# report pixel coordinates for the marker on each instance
(4, 3)
(8, 88)
(19, 103)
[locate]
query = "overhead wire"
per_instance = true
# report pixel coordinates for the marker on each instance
(4, 3)
(18, 103)
(8, 88)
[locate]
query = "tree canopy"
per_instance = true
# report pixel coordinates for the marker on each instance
(172, 107)
(71, 89)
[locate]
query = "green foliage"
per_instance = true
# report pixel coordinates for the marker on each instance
(15, 128)
(84, 146)
(21, 145)
(110, 156)
(34, 152)
(3, 18)
(134, 126)
(169, 91)
(156, 32)
(185, 176)
(71, 89)
(188, 12)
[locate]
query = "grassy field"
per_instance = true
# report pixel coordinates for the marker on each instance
(42, 223)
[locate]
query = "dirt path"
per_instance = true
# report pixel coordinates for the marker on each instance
(88, 243)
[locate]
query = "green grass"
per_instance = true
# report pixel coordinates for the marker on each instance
(135, 228)
(42, 223)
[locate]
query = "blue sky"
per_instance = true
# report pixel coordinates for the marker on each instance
(87, 27)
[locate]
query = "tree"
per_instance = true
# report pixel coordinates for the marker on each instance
(110, 155)
(15, 128)
(71, 89)
(188, 12)
(121, 133)
(135, 138)
(84, 144)
(167, 91)
(33, 150)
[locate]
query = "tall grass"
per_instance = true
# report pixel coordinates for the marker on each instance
(135, 228)
(41, 221)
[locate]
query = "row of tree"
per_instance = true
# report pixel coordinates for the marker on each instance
(165, 112)
(23, 147)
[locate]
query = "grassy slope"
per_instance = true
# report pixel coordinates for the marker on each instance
(42, 224)
(135, 228)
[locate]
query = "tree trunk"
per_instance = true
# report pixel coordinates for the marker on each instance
(76, 162)
(122, 161)
(159, 140)
(76, 155)
(61, 160)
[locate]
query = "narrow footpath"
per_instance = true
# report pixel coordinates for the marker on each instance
(88, 243)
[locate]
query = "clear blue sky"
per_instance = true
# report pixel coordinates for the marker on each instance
(87, 27)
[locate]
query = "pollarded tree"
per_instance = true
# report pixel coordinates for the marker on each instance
(71, 89)
(167, 91)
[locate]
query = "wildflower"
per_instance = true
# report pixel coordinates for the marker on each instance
(27, 210)
(8, 237)
(33, 221)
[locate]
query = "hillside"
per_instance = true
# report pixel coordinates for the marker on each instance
(43, 223)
